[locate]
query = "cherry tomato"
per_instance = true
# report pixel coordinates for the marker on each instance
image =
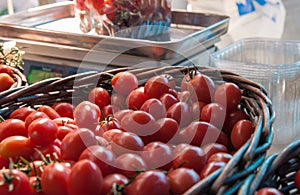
(109, 110)
(203, 87)
(241, 132)
(109, 123)
(16, 146)
(6, 69)
(158, 150)
(212, 148)
(102, 157)
(187, 78)
(34, 115)
(12, 127)
(124, 82)
(136, 98)
(229, 95)
(130, 164)
(35, 186)
(108, 135)
(42, 131)
(6, 81)
(220, 157)
(87, 171)
(167, 131)
(214, 113)
(231, 118)
(144, 183)
(126, 142)
(297, 180)
(62, 131)
(19, 181)
(189, 156)
(52, 151)
(118, 101)
(156, 86)
(55, 178)
(99, 96)
(87, 115)
(113, 179)
(181, 112)
(268, 191)
(154, 107)
(181, 179)
(21, 113)
(121, 113)
(51, 113)
(64, 109)
(211, 167)
(197, 108)
(74, 143)
(64, 121)
(168, 100)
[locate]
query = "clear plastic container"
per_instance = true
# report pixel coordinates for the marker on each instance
(275, 64)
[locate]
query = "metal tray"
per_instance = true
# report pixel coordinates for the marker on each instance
(54, 27)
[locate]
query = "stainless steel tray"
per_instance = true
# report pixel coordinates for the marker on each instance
(55, 29)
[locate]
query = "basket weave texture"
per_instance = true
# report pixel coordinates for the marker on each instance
(227, 180)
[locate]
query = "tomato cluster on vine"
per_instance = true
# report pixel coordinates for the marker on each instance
(166, 133)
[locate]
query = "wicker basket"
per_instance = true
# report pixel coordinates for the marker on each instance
(224, 181)
(277, 171)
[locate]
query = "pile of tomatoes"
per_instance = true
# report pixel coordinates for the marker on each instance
(159, 138)
(6, 78)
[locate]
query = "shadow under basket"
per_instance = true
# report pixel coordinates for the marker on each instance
(255, 102)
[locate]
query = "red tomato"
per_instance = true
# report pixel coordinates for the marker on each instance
(231, 118)
(213, 148)
(121, 113)
(63, 121)
(136, 98)
(168, 128)
(144, 183)
(139, 122)
(168, 100)
(12, 127)
(99, 96)
(36, 168)
(74, 143)
(154, 107)
(54, 179)
(103, 157)
(130, 164)
(51, 113)
(51, 151)
(21, 113)
(197, 108)
(187, 78)
(203, 87)
(4, 162)
(6, 69)
(63, 131)
(6, 81)
(200, 133)
(189, 156)
(109, 110)
(64, 109)
(109, 123)
(268, 191)
(229, 95)
(211, 167)
(108, 135)
(19, 181)
(241, 132)
(35, 186)
(85, 178)
(118, 101)
(16, 146)
(220, 157)
(113, 179)
(156, 86)
(42, 131)
(87, 115)
(158, 150)
(124, 82)
(181, 112)
(34, 115)
(126, 142)
(181, 179)
(214, 113)
(297, 180)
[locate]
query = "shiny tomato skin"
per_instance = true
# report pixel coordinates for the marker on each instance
(181, 112)
(108, 135)
(167, 130)
(42, 131)
(34, 115)
(102, 157)
(129, 164)
(181, 179)
(211, 167)
(197, 108)
(187, 78)
(241, 132)
(231, 118)
(154, 107)
(229, 95)
(126, 142)
(99, 96)
(136, 98)
(168, 100)
(6, 69)
(214, 113)
(12, 127)
(21, 113)
(51, 113)
(20, 182)
(55, 178)
(87, 171)
(124, 82)
(64, 121)
(63, 131)
(6, 82)
(297, 180)
(51, 150)
(64, 109)
(87, 115)
(220, 157)
(113, 179)
(268, 191)
(144, 184)
(74, 143)
(213, 148)
(16, 146)
(156, 86)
